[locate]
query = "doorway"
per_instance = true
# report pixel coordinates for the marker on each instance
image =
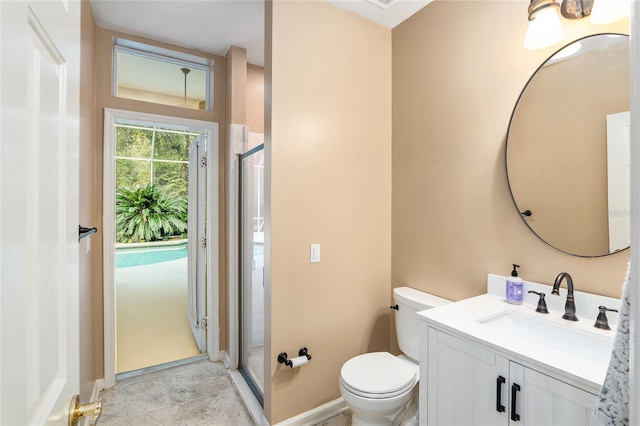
(161, 273)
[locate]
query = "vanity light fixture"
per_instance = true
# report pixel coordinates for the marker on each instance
(545, 28)
(576, 9)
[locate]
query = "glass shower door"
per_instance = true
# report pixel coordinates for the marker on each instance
(252, 270)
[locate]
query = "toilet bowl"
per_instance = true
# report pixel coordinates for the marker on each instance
(381, 388)
(382, 397)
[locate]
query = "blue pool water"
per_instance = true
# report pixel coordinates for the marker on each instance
(149, 255)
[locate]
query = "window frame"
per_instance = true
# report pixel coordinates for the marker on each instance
(121, 45)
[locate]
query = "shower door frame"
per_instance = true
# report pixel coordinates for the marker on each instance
(246, 374)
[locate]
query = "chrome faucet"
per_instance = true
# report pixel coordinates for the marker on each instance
(570, 305)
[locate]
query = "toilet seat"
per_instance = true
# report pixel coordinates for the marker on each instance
(378, 375)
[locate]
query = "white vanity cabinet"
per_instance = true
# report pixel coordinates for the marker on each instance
(467, 383)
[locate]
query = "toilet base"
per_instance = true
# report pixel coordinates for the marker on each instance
(402, 411)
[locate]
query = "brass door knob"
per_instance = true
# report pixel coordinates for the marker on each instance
(79, 411)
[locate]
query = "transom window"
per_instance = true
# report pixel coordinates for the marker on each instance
(152, 74)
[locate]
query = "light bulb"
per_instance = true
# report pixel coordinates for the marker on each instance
(544, 29)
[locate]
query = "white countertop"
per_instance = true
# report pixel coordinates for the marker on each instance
(464, 318)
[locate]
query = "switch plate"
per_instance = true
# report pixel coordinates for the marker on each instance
(315, 253)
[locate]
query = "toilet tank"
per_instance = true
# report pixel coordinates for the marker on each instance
(410, 301)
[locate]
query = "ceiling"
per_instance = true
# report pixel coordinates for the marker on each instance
(215, 25)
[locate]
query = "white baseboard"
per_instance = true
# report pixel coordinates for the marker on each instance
(318, 414)
(226, 359)
(216, 356)
(98, 386)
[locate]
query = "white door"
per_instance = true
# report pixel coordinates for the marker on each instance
(197, 245)
(39, 84)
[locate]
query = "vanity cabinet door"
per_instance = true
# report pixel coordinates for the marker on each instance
(545, 401)
(463, 383)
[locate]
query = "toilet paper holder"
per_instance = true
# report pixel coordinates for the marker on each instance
(283, 358)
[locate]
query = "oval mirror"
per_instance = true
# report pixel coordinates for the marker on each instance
(567, 154)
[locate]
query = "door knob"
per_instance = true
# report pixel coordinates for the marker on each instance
(79, 411)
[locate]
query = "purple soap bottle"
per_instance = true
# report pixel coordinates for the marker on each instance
(514, 287)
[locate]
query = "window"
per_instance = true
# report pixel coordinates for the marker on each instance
(153, 155)
(152, 74)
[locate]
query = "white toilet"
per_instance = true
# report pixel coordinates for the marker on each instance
(380, 388)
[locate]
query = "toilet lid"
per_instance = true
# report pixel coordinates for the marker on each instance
(378, 373)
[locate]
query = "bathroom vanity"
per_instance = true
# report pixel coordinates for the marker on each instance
(487, 362)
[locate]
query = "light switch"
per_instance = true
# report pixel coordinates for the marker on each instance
(315, 253)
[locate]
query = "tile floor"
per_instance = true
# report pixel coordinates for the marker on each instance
(341, 420)
(200, 393)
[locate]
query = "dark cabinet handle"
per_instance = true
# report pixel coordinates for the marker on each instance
(499, 382)
(515, 388)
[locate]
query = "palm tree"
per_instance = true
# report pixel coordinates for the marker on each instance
(148, 214)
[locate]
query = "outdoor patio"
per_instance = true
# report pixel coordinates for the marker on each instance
(152, 315)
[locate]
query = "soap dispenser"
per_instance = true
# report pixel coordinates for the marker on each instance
(514, 287)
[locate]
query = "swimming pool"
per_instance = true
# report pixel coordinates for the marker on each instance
(147, 255)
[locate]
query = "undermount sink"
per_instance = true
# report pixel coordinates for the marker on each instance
(560, 335)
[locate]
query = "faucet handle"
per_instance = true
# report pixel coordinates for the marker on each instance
(542, 305)
(602, 322)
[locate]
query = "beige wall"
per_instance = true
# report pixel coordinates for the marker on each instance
(90, 248)
(255, 98)
(236, 113)
(458, 68)
(329, 150)
(236, 85)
